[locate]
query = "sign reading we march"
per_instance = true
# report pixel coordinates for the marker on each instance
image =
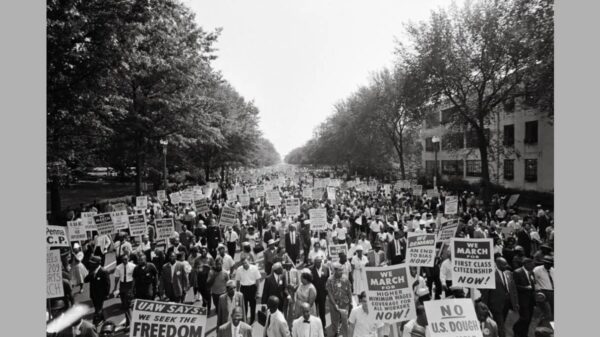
(390, 297)
(152, 318)
(473, 263)
(420, 249)
(452, 318)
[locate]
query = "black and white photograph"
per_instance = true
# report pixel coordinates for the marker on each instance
(300, 168)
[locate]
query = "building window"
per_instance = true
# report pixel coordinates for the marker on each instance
(509, 169)
(509, 135)
(474, 168)
(452, 141)
(531, 170)
(430, 167)
(448, 114)
(509, 105)
(432, 120)
(531, 132)
(472, 140)
(428, 144)
(453, 167)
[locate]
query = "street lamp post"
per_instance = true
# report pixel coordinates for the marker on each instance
(164, 143)
(436, 143)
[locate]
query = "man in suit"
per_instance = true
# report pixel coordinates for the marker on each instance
(376, 256)
(292, 244)
(305, 237)
(272, 234)
(99, 285)
(276, 324)
(307, 325)
(397, 248)
(269, 255)
(235, 328)
(320, 276)
(275, 285)
(229, 301)
(502, 298)
(173, 280)
(525, 283)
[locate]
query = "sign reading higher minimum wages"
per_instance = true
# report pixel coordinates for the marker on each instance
(473, 263)
(153, 319)
(390, 297)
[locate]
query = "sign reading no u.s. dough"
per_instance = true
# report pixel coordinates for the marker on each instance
(452, 318)
(390, 297)
(473, 263)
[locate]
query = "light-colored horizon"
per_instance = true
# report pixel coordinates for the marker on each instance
(295, 60)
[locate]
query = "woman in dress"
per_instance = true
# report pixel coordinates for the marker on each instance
(306, 293)
(359, 262)
(78, 270)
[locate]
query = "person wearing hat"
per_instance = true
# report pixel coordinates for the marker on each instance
(538, 257)
(292, 243)
(269, 255)
(173, 280)
(359, 262)
(339, 293)
(228, 261)
(422, 295)
(228, 301)
(417, 326)
(376, 256)
(544, 280)
(525, 283)
(107, 329)
(489, 328)
(275, 285)
(99, 285)
(272, 234)
(78, 270)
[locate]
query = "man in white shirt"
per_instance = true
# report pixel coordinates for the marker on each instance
(145, 247)
(228, 261)
(544, 280)
(360, 324)
(307, 325)
(446, 274)
(248, 278)
(363, 242)
(231, 239)
(375, 226)
(276, 324)
(124, 278)
(340, 233)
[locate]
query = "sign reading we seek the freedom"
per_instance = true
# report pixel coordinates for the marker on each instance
(390, 297)
(420, 249)
(152, 318)
(452, 318)
(473, 263)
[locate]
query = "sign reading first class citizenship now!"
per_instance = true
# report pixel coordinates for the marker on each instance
(420, 249)
(160, 319)
(56, 236)
(473, 263)
(454, 317)
(389, 294)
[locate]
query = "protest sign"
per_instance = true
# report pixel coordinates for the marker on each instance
(120, 220)
(201, 206)
(512, 200)
(104, 223)
(451, 204)
(164, 228)
(273, 198)
(244, 199)
(54, 278)
(418, 190)
(238, 190)
(432, 193)
(318, 219)
(56, 236)
(260, 191)
(187, 197)
(387, 189)
(161, 195)
(153, 318)
(389, 294)
(228, 216)
(473, 263)
(307, 193)
(76, 231)
(137, 224)
(317, 193)
(119, 207)
(175, 198)
(334, 251)
(420, 249)
(331, 193)
(88, 220)
(198, 195)
(453, 317)
(231, 196)
(207, 191)
(141, 201)
(447, 232)
(292, 206)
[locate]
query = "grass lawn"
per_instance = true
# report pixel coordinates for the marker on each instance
(88, 191)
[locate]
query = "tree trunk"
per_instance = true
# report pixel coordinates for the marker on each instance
(139, 166)
(222, 174)
(55, 202)
(401, 155)
(207, 170)
(485, 170)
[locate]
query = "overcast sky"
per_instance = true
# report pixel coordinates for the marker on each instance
(296, 59)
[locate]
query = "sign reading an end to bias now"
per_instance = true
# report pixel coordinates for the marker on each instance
(420, 249)
(473, 263)
(390, 297)
(452, 318)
